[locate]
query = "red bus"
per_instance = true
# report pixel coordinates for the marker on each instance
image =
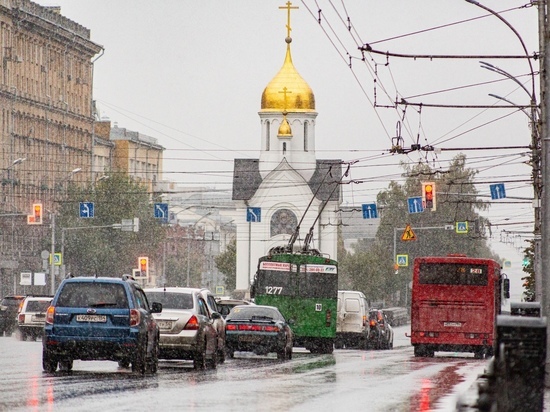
(454, 304)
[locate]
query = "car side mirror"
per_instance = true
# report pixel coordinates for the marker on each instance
(216, 315)
(291, 322)
(156, 307)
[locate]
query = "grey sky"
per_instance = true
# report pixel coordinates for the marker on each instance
(192, 73)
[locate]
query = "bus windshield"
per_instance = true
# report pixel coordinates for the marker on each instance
(453, 274)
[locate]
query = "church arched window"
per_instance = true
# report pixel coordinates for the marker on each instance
(306, 137)
(267, 136)
(283, 222)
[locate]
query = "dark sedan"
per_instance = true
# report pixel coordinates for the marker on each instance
(258, 329)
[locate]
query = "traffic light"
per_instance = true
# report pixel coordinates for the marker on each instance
(428, 195)
(143, 263)
(35, 218)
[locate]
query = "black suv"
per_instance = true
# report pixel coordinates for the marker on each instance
(101, 318)
(8, 313)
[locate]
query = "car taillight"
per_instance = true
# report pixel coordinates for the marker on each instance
(328, 318)
(50, 315)
(192, 323)
(135, 317)
(373, 323)
(21, 317)
(254, 328)
(364, 320)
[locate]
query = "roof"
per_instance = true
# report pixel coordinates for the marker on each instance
(247, 179)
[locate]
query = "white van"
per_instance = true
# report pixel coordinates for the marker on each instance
(351, 325)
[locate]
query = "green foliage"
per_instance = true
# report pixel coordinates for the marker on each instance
(371, 267)
(529, 268)
(90, 248)
(227, 264)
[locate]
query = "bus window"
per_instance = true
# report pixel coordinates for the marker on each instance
(453, 274)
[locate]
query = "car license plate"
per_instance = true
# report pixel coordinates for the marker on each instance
(249, 338)
(91, 318)
(452, 324)
(38, 318)
(164, 324)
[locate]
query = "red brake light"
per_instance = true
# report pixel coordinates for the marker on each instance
(21, 317)
(230, 327)
(135, 317)
(271, 329)
(373, 323)
(50, 315)
(192, 323)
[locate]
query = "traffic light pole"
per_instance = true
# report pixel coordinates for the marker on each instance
(52, 254)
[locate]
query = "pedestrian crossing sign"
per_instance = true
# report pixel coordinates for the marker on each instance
(408, 234)
(402, 260)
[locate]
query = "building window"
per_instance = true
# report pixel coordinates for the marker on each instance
(267, 136)
(306, 137)
(283, 222)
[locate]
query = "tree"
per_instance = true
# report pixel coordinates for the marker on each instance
(529, 268)
(227, 264)
(91, 245)
(372, 269)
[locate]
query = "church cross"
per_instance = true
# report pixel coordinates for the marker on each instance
(288, 7)
(285, 91)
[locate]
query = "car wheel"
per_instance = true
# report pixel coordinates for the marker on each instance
(289, 353)
(66, 365)
(230, 352)
(154, 360)
(221, 356)
(49, 363)
(140, 361)
(124, 363)
(281, 354)
(199, 360)
(213, 361)
(22, 336)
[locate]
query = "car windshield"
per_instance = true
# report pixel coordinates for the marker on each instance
(172, 300)
(253, 313)
(38, 305)
(93, 294)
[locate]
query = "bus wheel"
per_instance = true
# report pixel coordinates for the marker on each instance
(420, 351)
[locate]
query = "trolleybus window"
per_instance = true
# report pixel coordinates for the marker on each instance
(453, 274)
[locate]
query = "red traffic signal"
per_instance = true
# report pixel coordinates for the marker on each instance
(143, 264)
(35, 218)
(428, 195)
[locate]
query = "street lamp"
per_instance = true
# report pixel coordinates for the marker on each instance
(189, 244)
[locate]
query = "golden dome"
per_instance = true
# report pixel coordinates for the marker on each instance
(284, 129)
(288, 91)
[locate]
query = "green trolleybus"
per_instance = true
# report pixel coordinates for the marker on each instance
(304, 287)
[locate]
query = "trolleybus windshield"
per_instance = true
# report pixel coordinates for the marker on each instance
(453, 274)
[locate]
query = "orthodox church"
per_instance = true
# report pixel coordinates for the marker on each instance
(287, 187)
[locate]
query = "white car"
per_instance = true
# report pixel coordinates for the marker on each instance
(187, 326)
(31, 316)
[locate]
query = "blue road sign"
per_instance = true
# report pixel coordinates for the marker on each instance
(415, 204)
(161, 211)
(86, 209)
(402, 260)
(461, 227)
(253, 214)
(370, 211)
(498, 191)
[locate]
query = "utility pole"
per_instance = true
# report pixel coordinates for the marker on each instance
(544, 252)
